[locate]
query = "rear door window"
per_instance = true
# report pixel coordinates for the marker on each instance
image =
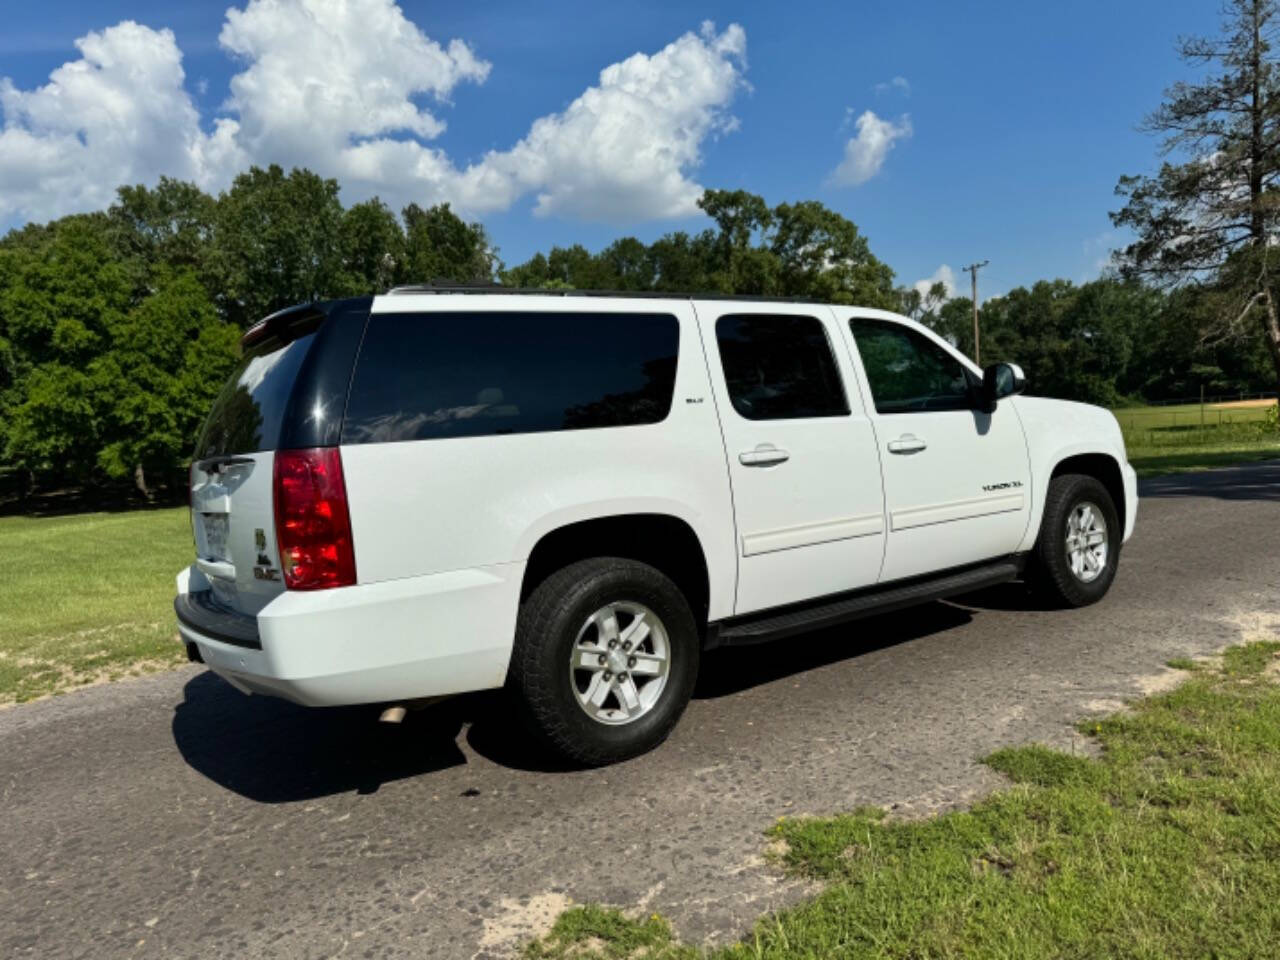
(779, 367)
(438, 375)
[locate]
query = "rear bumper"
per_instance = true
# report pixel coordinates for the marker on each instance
(371, 643)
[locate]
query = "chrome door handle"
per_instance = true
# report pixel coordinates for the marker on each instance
(907, 443)
(765, 455)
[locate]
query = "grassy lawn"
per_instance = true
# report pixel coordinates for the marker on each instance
(1168, 845)
(87, 597)
(1175, 439)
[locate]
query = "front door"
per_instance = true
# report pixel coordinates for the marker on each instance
(807, 500)
(957, 481)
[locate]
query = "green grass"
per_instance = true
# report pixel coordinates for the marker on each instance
(1166, 846)
(1187, 415)
(1150, 462)
(1176, 439)
(87, 597)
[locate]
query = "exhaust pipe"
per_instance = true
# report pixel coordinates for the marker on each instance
(396, 712)
(392, 714)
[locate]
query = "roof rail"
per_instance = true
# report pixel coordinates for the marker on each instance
(487, 288)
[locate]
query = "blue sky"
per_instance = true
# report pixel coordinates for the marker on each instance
(1022, 116)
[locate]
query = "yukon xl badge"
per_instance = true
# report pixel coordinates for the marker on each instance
(1001, 486)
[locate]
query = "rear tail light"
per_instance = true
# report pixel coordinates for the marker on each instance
(313, 525)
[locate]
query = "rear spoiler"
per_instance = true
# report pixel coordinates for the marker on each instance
(286, 325)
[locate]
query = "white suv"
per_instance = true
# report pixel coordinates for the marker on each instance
(441, 490)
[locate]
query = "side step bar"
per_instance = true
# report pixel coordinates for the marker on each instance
(773, 625)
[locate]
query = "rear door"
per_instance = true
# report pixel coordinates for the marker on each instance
(802, 460)
(287, 392)
(957, 481)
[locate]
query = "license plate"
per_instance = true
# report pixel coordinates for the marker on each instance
(215, 535)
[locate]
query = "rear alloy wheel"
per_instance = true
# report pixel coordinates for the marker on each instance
(620, 663)
(1078, 549)
(605, 659)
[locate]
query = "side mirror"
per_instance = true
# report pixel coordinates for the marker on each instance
(1001, 380)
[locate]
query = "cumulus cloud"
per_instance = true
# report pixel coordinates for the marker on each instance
(621, 150)
(943, 275)
(117, 115)
(323, 74)
(866, 150)
(337, 86)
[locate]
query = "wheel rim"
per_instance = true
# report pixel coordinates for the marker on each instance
(619, 664)
(1086, 541)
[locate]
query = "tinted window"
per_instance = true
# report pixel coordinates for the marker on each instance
(907, 371)
(437, 375)
(779, 367)
(248, 414)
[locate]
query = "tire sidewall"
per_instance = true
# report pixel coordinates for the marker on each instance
(620, 582)
(1071, 491)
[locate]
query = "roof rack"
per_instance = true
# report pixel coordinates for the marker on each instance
(496, 289)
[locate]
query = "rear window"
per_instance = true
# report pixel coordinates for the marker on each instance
(249, 413)
(439, 375)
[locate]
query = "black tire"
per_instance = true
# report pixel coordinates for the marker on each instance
(546, 632)
(1051, 572)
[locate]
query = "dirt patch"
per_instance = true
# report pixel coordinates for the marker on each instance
(1162, 682)
(521, 921)
(68, 678)
(1243, 404)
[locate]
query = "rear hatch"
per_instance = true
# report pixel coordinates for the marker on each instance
(288, 392)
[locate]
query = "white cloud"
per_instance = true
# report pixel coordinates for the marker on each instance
(943, 275)
(336, 85)
(323, 74)
(866, 151)
(621, 150)
(117, 115)
(897, 85)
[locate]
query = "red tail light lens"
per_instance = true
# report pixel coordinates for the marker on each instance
(313, 526)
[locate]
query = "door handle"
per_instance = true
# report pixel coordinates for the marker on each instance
(765, 455)
(907, 443)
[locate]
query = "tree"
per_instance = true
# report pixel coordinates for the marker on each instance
(64, 288)
(1211, 219)
(822, 255)
(276, 242)
(171, 223)
(792, 250)
(372, 249)
(440, 245)
(168, 358)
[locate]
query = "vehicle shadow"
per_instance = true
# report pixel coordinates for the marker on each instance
(272, 751)
(729, 670)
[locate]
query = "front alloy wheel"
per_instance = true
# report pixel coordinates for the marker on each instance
(1075, 556)
(1087, 541)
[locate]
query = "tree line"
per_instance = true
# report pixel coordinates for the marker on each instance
(117, 328)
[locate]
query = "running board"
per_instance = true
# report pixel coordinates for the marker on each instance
(773, 625)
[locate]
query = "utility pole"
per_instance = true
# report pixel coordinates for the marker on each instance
(973, 269)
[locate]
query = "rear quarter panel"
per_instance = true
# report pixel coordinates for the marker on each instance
(427, 506)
